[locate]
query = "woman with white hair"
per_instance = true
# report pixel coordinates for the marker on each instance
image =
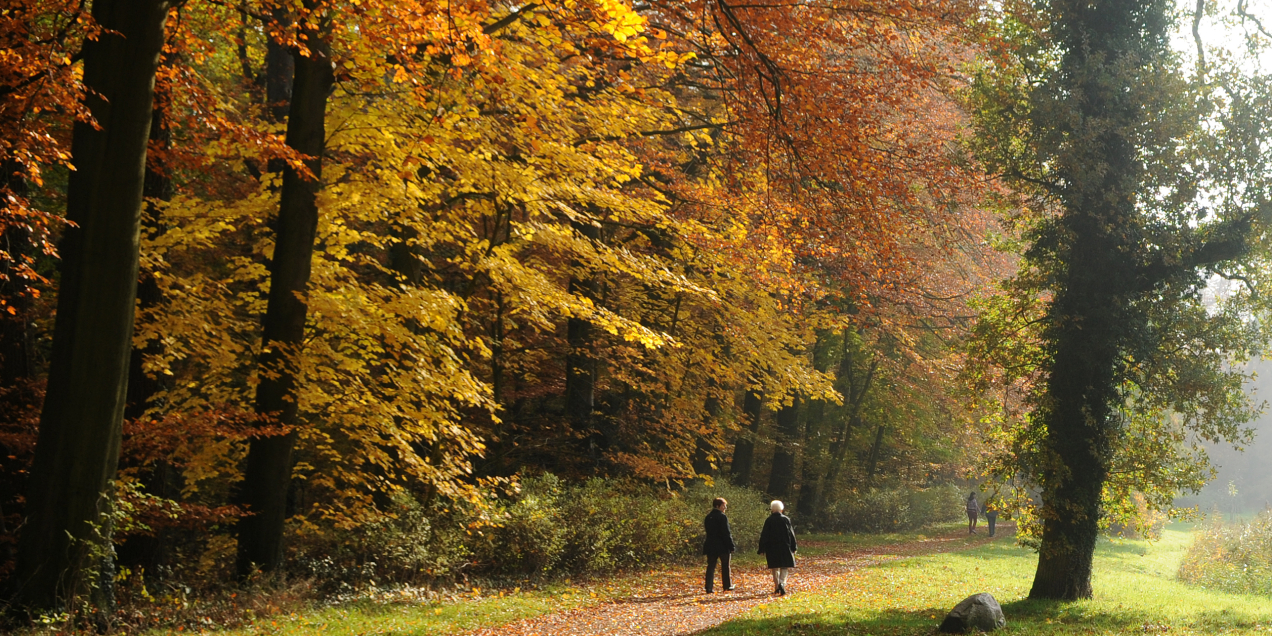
(777, 544)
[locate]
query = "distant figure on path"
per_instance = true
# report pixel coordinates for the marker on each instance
(991, 514)
(972, 508)
(777, 544)
(719, 544)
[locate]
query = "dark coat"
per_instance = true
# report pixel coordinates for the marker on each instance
(719, 535)
(777, 541)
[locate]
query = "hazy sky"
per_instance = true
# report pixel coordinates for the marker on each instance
(1247, 473)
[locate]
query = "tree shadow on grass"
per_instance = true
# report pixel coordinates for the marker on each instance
(1057, 616)
(815, 624)
(1023, 617)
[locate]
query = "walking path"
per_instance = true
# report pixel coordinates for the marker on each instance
(678, 606)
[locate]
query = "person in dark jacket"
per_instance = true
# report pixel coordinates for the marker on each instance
(777, 544)
(719, 544)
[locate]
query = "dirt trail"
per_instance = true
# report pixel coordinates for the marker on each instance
(678, 606)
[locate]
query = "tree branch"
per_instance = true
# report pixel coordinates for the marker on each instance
(649, 133)
(1196, 33)
(507, 20)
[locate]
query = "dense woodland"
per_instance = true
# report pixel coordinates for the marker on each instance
(272, 273)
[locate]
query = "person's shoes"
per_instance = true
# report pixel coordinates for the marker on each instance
(730, 588)
(710, 592)
(777, 590)
(781, 590)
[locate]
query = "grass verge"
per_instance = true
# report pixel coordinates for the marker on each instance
(1134, 583)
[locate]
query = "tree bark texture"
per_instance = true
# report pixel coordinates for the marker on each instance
(743, 461)
(80, 426)
(269, 459)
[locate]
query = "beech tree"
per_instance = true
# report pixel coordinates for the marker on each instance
(80, 426)
(414, 249)
(269, 458)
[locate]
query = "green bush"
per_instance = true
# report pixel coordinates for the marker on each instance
(549, 528)
(1232, 557)
(894, 509)
(747, 511)
(555, 528)
(410, 543)
(529, 537)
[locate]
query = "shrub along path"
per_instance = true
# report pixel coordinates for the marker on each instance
(674, 603)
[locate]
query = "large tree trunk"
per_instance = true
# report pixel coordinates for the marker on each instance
(743, 461)
(1094, 314)
(269, 459)
(782, 471)
(147, 552)
(78, 446)
(1079, 434)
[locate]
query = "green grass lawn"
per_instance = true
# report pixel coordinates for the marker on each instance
(1134, 582)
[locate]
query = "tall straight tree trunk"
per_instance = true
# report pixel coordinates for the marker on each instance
(580, 361)
(813, 461)
(163, 479)
(782, 472)
(704, 459)
(875, 450)
(743, 461)
(855, 392)
(269, 458)
(80, 426)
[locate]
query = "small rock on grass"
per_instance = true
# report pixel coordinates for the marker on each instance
(979, 612)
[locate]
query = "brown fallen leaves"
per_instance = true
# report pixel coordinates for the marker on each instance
(674, 604)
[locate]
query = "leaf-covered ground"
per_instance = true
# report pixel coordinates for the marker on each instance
(674, 603)
(847, 586)
(666, 599)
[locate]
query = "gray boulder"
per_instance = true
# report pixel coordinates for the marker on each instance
(978, 612)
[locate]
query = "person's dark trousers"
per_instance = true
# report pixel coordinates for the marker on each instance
(992, 519)
(724, 570)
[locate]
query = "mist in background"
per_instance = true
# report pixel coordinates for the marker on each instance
(1243, 485)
